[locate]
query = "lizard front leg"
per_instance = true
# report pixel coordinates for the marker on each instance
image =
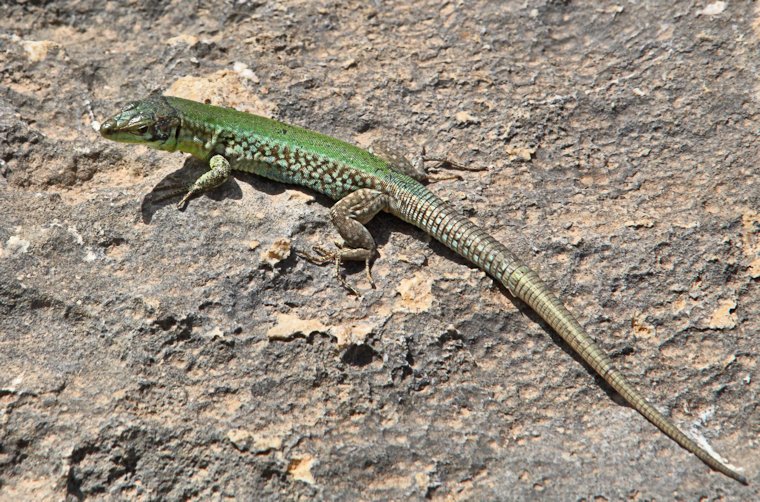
(349, 215)
(219, 172)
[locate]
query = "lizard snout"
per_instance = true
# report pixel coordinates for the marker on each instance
(108, 127)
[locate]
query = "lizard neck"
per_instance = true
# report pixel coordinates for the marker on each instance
(198, 138)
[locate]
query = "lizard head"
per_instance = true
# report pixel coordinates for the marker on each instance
(151, 122)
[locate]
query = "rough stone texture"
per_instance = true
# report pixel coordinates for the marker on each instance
(153, 354)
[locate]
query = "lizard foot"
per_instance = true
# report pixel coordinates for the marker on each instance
(322, 256)
(171, 191)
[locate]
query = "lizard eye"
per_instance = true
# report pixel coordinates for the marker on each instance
(142, 129)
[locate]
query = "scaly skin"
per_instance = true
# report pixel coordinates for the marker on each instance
(363, 184)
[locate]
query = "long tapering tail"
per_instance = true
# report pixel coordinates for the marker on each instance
(415, 204)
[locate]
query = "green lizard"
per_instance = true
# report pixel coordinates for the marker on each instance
(364, 184)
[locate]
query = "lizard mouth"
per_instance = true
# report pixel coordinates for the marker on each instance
(116, 129)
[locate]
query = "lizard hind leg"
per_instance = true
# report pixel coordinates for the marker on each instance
(349, 215)
(415, 168)
(399, 162)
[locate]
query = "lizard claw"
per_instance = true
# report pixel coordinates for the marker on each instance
(182, 203)
(369, 275)
(171, 191)
(323, 257)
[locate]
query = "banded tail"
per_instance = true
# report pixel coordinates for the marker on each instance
(415, 204)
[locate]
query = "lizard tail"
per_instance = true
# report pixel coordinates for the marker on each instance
(526, 285)
(420, 207)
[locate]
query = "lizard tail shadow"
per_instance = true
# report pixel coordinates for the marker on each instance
(528, 312)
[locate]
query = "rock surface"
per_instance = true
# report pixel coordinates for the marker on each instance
(151, 354)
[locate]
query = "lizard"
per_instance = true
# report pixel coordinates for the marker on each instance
(364, 184)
